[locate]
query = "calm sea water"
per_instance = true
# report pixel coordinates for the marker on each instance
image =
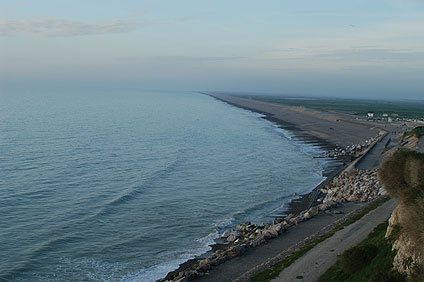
(124, 186)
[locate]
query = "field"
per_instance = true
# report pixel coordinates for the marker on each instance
(360, 107)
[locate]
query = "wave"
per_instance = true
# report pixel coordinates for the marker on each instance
(133, 192)
(158, 271)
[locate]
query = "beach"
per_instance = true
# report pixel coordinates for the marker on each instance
(331, 132)
(322, 128)
(251, 248)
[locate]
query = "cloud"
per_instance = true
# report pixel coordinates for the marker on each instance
(53, 27)
(376, 55)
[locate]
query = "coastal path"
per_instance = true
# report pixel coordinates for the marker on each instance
(324, 255)
(256, 259)
(373, 158)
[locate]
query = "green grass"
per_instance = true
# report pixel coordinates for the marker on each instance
(378, 269)
(361, 107)
(417, 131)
(275, 270)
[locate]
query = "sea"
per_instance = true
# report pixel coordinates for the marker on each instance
(124, 185)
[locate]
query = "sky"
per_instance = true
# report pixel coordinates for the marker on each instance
(356, 48)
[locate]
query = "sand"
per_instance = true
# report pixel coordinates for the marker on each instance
(326, 129)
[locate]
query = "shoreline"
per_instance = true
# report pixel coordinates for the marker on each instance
(336, 165)
(304, 202)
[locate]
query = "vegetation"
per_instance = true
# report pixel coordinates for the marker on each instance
(275, 270)
(403, 176)
(405, 109)
(356, 258)
(371, 260)
(417, 132)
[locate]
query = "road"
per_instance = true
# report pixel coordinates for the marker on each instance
(373, 158)
(315, 262)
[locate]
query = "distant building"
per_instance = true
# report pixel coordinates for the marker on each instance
(385, 115)
(395, 115)
(389, 119)
(370, 115)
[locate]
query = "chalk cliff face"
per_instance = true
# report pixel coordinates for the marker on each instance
(403, 178)
(409, 258)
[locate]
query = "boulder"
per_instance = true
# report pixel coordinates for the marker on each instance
(279, 228)
(236, 251)
(182, 279)
(260, 239)
(270, 234)
(204, 265)
(307, 215)
(191, 275)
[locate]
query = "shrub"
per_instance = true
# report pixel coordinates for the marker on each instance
(403, 175)
(357, 258)
(391, 276)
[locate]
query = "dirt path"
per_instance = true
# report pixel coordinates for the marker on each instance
(315, 262)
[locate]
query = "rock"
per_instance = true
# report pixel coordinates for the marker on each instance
(180, 276)
(307, 215)
(294, 220)
(323, 207)
(226, 233)
(270, 234)
(182, 279)
(287, 224)
(290, 216)
(204, 265)
(233, 236)
(260, 239)
(191, 275)
(236, 251)
(299, 219)
(314, 211)
(279, 228)
(220, 258)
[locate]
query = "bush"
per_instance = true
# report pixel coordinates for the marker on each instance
(391, 276)
(356, 258)
(403, 175)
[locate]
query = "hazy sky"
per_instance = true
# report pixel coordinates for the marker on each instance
(355, 48)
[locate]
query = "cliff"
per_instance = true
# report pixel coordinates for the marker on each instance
(403, 178)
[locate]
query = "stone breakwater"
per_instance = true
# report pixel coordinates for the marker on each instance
(353, 150)
(356, 185)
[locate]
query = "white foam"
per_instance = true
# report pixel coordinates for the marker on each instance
(159, 271)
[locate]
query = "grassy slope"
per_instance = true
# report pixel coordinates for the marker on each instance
(418, 132)
(381, 263)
